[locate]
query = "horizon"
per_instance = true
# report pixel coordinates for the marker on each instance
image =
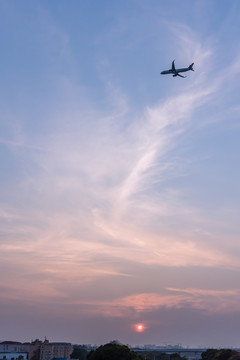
(143, 346)
(158, 346)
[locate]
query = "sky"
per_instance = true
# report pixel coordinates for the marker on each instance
(120, 200)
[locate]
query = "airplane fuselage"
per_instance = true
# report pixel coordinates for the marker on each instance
(173, 72)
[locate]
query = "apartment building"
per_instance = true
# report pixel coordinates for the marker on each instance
(14, 347)
(55, 350)
(13, 356)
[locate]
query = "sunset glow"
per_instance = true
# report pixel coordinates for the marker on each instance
(140, 327)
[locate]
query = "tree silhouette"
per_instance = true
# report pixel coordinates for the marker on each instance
(113, 351)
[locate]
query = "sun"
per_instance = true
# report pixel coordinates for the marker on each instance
(139, 327)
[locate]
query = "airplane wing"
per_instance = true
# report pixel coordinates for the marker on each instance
(180, 75)
(173, 66)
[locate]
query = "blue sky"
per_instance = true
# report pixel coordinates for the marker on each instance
(120, 186)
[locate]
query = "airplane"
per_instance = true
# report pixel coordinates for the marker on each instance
(176, 72)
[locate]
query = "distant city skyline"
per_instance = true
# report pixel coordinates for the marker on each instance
(120, 197)
(21, 347)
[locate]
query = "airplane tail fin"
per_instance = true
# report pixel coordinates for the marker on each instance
(191, 67)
